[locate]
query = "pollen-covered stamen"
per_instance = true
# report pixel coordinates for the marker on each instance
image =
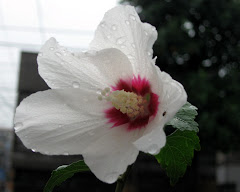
(127, 102)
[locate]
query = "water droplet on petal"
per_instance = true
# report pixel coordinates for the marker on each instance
(18, 125)
(65, 153)
(127, 22)
(58, 54)
(146, 33)
(133, 45)
(111, 177)
(64, 52)
(133, 17)
(51, 48)
(114, 27)
(33, 150)
(102, 24)
(99, 92)
(153, 149)
(59, 125)
(91, 133)
(75, 84)
(108, 36)
(153, 28)
(40, 54)
(149, 53)
(130, 57)
(121, 40)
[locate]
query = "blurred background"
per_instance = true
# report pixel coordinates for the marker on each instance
(198, 44)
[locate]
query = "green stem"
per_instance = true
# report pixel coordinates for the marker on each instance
(122, 179)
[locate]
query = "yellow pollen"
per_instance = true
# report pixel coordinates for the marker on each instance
(127, 102)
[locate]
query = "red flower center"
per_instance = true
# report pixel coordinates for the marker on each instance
(146, 104)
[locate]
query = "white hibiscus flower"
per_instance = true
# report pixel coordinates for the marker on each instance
(107, 104)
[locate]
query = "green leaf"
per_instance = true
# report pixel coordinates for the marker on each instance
(184, 118)
(64, 172)
(177, 154)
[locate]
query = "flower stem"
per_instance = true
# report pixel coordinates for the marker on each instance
(122, 179)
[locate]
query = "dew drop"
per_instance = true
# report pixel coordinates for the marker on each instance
(91, 133)
(114, 27)
(102, 24)
(121, 40)
(153, 149)
(146, 33)
(33, 150)
(75, 84)
(108, 36)
(64, 52)
(65, 153)
(59, 125)
(18, 125)
(133, 45)
(51, 48)
(149, 53)
(40, 54)
(130, 57)
(127, 22)
(133, 17)
(153, 28)
(111, 177)
(58, 54)
(99, 92)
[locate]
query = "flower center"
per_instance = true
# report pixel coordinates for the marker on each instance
(128, 103)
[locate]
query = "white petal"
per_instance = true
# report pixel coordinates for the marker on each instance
(109, 156)
(61, 69)
(121, 28)
(153, 138)
(173, 96)
(60, 121)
